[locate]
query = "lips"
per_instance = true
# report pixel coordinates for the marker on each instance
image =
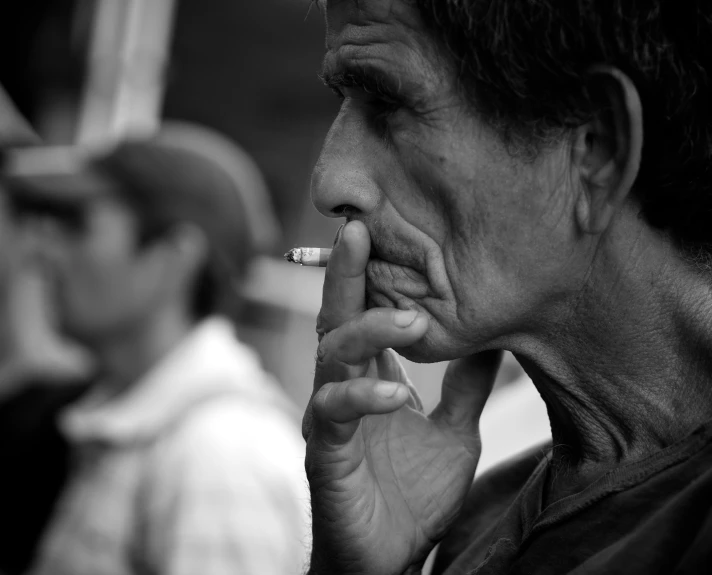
(395, 269)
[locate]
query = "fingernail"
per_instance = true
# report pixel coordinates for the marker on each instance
(338, 235)
(404, 318)
(387, 388)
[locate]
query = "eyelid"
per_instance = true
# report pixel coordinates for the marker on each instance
(367, 94)
(375, 90)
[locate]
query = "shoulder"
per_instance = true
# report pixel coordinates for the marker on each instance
(227, 437)
(230, 463)
(225, 489)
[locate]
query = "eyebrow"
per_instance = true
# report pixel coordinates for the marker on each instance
(370, 79)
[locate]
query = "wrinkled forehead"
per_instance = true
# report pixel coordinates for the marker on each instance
(342, 13)
(391, 33)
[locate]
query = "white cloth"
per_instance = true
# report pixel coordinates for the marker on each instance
(197, 469)
(514, 419)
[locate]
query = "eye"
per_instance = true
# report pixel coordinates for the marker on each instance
(382, 120)
(379, 107)
(378, 102)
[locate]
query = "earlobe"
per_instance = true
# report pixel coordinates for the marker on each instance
(607, 150)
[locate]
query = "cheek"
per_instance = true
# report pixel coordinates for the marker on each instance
(450, 172)
(94, 277)
(418, 191)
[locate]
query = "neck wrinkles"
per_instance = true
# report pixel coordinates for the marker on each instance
(628, 372)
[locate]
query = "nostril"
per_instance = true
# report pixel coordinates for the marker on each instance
(344, 210)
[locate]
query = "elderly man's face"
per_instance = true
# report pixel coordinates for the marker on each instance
(480, 240)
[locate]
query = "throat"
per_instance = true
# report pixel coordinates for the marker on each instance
(130, 355)
(601, 424)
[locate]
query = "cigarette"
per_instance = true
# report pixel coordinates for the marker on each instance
(315, 257)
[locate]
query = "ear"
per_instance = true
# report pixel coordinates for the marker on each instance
(607, 150)
(189, 247)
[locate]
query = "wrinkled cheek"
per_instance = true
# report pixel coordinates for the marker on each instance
(400, 284)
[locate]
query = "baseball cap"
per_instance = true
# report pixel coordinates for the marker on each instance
(184, 173)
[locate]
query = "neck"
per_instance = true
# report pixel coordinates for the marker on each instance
(126, 357)
(627, 370)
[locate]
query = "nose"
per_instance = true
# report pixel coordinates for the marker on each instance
(344, 181)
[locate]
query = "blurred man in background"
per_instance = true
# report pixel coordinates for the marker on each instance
(39, 375)
(189, 458)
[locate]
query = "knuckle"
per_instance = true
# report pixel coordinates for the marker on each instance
(322, 352)
(307, 423)
(334, 351)
(352, 392)
(314, 466)
(344, 349)
(321, 324)
(309, 464)
(319, 401)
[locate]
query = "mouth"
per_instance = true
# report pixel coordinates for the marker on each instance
(396, 273)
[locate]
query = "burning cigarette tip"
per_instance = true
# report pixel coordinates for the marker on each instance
(315, 257)
(291, 256)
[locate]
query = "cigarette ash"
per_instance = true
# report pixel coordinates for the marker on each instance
(294, 256)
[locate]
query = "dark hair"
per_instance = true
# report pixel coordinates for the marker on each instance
(524, 64)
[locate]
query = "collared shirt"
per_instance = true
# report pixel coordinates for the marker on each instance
(197, 469)
(648, 517)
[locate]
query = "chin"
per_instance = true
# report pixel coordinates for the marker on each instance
(435, 346)
(415, 354)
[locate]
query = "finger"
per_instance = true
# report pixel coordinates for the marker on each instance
(337, 408)
(308, 420)
(389, 362)
(386, 362)
(344, 294)
(466, 386)
(355, 342)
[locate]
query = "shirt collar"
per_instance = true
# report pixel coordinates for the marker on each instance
(209, 362)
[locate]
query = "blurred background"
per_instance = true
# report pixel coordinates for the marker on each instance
(86, 70)
(92, 71)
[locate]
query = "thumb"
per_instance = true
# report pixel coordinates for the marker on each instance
(466, 386)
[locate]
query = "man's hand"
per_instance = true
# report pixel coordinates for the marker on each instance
(386, 480)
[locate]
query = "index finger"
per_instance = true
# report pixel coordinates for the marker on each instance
(344, 294)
